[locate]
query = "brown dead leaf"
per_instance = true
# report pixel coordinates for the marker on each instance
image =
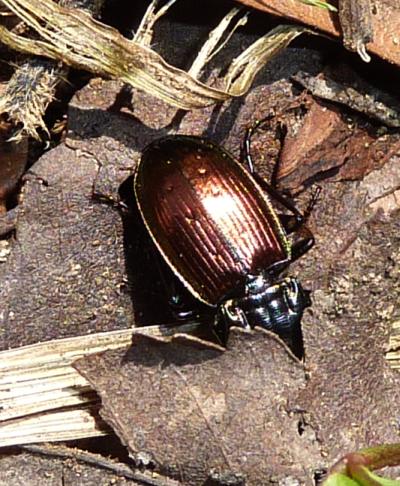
(312, 148)
(352, 397)
(329, 144)
(196, 410)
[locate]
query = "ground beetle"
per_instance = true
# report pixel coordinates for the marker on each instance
(212, 220)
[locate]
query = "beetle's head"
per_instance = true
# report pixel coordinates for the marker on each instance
(278, 307)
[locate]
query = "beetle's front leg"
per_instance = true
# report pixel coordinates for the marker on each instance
(228, 315)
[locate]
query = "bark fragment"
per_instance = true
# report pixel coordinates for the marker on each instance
(385, 22)
(356, 23)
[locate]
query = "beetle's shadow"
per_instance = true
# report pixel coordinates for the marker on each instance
(144, 283)
(151, 283)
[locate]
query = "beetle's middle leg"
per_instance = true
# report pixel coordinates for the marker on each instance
(304, 242)
(293, 223)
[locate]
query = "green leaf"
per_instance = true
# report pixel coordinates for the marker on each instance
(356, 468)
(365, 477)
(339, 479)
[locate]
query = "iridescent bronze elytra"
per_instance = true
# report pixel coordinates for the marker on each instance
(213, 222)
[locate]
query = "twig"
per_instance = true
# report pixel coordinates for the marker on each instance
(96, 460)
(363, 100)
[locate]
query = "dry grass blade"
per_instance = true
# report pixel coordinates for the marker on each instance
(144, 33)
(393, 353)
(59, 425)
(37, 382)
(73, 37)
(39, 394)
(320, 4)
(244, 68)
(213, 44)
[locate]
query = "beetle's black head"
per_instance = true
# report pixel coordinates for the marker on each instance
(278, 308)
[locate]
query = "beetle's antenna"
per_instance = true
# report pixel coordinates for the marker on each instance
(247, 140)
(313, 201)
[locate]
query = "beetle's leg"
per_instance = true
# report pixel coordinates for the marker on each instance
(179, 305)
(246, 153)
(289, 222)
(179, 300)
(303, 245)
(228, 315)
(269, 187)
(293, 223)
(284, 201)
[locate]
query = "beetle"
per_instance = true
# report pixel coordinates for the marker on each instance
(213, 221)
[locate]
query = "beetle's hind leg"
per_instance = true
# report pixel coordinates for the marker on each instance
(179, 300)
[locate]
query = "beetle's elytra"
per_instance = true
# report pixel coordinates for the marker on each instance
(217, 229)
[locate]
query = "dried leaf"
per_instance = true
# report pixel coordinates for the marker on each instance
(195, 410)
(352, 395)
(39, 378)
